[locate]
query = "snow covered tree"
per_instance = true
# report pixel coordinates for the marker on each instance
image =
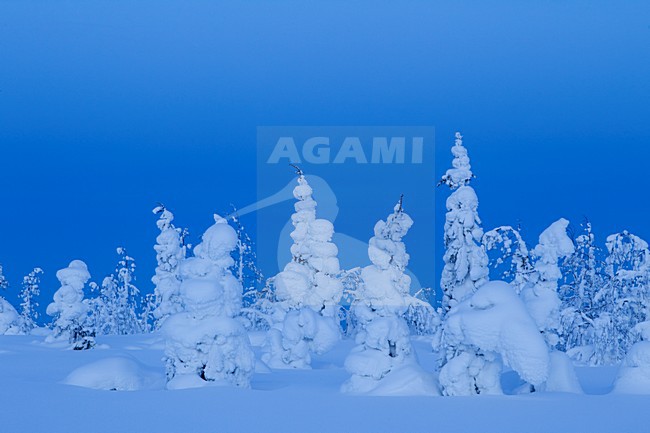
(486, 332)
(513, 254)
(3, 280)
(170, 252)
(115, 311)
(466, 264)
(626, 296)
(69, 310)
(541, 295)
(28, 313)
(383, 337)
(205, 343)
(307, 290)
(581, 306)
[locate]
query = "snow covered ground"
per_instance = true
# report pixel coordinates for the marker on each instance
(34, 397)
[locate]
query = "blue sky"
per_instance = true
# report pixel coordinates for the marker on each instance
(107, 107)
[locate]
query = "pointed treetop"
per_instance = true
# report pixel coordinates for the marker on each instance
(461, 173)
(399, 206)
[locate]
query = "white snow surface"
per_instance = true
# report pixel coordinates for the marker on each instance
(34, 399)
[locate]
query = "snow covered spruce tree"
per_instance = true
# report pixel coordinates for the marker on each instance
(541, 295)
(69, 310)
(170, 252)
(205, 343)
(383, 338)
(466, 264)
(28, 313)
(307, 290)
(466, 269)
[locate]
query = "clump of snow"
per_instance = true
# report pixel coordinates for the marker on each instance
(487, 330)
(116, 373)
(69, 309)
(309, 281)
(205, 343)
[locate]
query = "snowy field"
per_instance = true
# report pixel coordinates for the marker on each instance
(36, 398)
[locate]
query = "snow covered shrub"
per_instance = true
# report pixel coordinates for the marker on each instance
(28, 313)
(170, 252)
(540, 295)
(383, 337)
(308, 282)
(634, 373)
(69, 310)
(466, 264)
(485, 332)
(205, 343)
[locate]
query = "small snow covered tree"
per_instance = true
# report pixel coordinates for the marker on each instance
(626, 296)
(466, 264)
(115, 311)
(170, 252)
(634, 372)
(205, 343)
(3, 280)
(383, 337)
(28, 313)
(541, 295)
(69, 310)
(307, 290)
(512, 248)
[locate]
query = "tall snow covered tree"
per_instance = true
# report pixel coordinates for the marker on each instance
(170, 252)
(307, 290)
(383, 337)
(466, 264)
(28, 313)
(205, 343)
(69, 310)
(541, 295)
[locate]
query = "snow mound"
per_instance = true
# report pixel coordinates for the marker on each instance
(634, 374)
(118, 373)
(408, 379)
(495, 320)
(562, 376)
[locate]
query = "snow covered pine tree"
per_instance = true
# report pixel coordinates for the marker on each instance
(69, 310)
(384, 358)
(307, 290)
(28, 313)
(205, 343)
(170, 252)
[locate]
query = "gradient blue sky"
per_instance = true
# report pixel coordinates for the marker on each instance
(107, 107)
